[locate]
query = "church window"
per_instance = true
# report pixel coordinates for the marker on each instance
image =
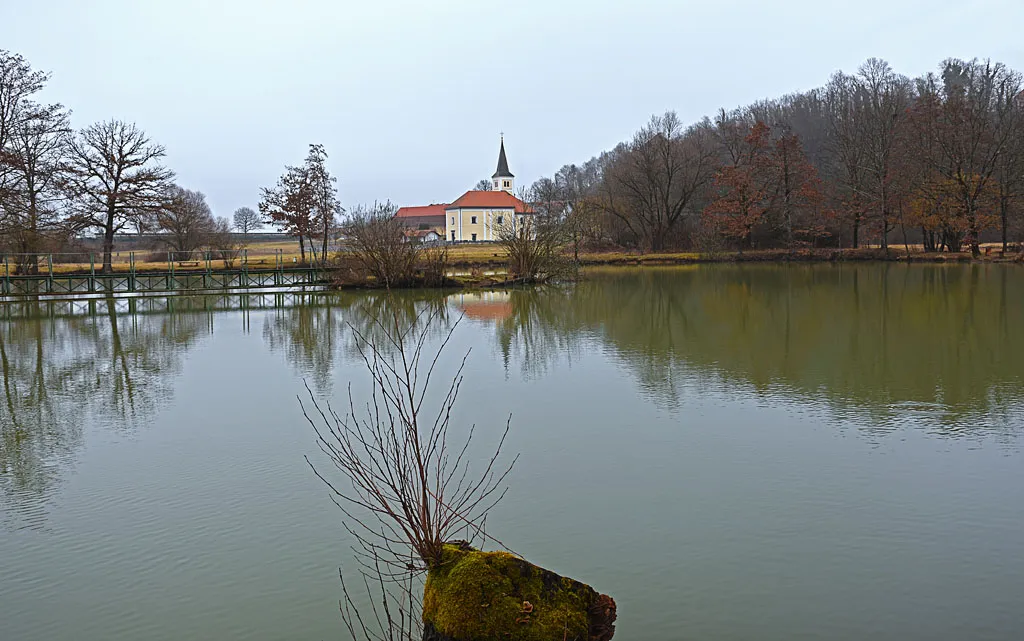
(500, 220)
(472, 220)
(474, 237)
(453, 220)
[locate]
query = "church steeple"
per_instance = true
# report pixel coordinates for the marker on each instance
(502, 178)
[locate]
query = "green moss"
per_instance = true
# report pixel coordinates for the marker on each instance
(479, 596)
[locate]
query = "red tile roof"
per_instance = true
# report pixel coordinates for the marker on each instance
(490, 200)
(425, 210)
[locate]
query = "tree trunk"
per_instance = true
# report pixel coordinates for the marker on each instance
(302, 248)
(885, 230)
(1004, 206)
(973, 232)
(657, 241)
(108, 241)
(312, 248)
(856, 231)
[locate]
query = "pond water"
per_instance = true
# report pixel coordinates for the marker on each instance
(732, 452)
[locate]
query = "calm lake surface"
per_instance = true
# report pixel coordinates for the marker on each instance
(733, 453)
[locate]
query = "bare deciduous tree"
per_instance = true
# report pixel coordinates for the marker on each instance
(18, 82)
(649, 187)
(885, 97)
(324, 196)
(246, 220)
(113, 177)
(221, 242)
(185, 220)
(33, 202)
(535, 241)
(964, 123)
(844, 98)
(407, 483)
(304, 203)
(378, 244)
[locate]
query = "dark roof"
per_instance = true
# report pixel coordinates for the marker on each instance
(503, 171)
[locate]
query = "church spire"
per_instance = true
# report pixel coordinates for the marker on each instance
(503, 178)
(503, 171)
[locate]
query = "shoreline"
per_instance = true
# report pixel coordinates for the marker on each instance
(764, 256)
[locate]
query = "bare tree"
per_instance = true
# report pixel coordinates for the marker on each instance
(1010, 176)
(650, 186)
(324, 196)
(33, 201)
(18, 82)
(246, 220)
(221, 242)
(535, 241)
(578, 187)
(844, 98)
(379, 245)
(964, 123)
(482, 185)
(885, 99)
(185, 220)
(407, 490)
(113, 177)
(379, 248)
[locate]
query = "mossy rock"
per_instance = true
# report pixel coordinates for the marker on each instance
(496, 596)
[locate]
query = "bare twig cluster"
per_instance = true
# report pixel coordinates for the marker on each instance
(536, 248)
(407, 487)
(378, 245)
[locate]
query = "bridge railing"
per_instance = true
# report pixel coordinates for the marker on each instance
(80, 272)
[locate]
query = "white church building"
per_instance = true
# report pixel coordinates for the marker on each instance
(477, 216)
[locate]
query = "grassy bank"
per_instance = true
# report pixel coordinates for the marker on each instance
(489, 256)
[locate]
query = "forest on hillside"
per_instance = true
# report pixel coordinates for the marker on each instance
(872, 157)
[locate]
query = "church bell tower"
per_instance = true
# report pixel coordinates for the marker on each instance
(503, 180)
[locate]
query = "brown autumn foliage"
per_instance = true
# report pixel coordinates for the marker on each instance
(873, 157)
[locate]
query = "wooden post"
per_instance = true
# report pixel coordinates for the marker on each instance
(245, 268)
(92, 272)
(49, 282)
(131, 271)
(170, 271)
(7, 275)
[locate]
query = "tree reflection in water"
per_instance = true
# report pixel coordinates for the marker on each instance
(877, 346)
(880, 344)
(316, 329)
(67, 364)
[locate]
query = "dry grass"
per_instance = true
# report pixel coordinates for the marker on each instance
(264, 256)
(259, 256)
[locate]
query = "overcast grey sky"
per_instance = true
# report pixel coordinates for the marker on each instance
(409, 96)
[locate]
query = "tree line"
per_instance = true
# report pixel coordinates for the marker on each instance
(58, 185)
(871, 157)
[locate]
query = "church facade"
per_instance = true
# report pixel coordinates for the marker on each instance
(476, 216)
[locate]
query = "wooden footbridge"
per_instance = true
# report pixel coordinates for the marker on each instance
(172, 276)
